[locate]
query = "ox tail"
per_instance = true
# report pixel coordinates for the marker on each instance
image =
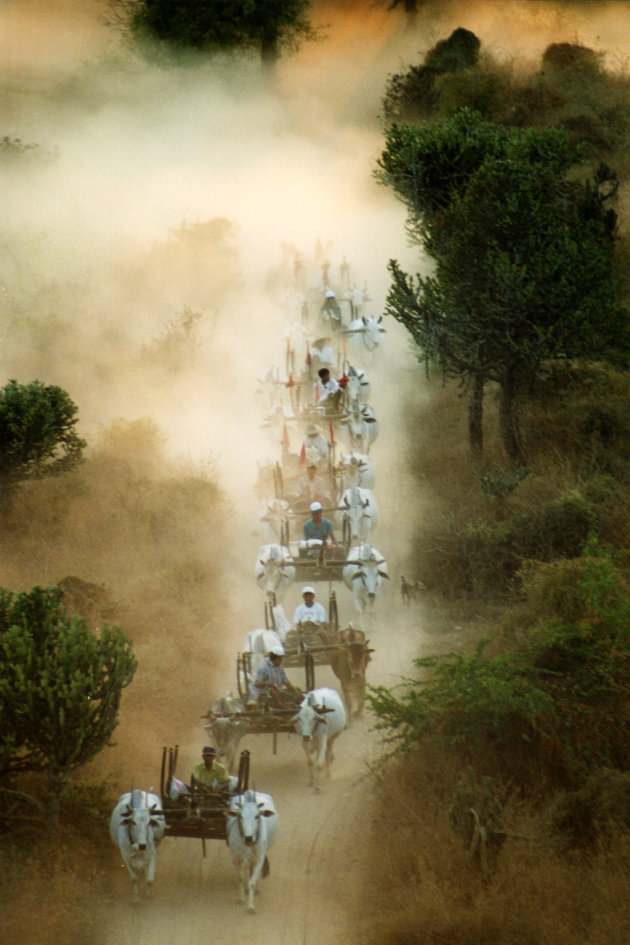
(266, 869)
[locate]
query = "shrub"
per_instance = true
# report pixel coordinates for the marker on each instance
(550, 714)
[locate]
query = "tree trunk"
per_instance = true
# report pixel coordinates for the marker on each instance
(57, 784)
(475, 418)
(508, 418)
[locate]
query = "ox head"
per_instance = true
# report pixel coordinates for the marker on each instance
(368, 568)
(224, 729)
(246, 810)
(309, 716)
(140, 819)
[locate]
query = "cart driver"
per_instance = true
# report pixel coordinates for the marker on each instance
(326, 390)
(311, 486)
(271, 675)
(311, 610)
(211, 774)
(317, 526)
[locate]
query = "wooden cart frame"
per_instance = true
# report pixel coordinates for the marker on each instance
(198, 814)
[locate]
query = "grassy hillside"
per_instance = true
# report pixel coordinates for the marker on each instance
(513, 567)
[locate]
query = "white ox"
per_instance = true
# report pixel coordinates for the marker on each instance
(274, 571)
(319, 721)
(357, 470)
(226, 727)
(273, 521)
(363, 574)
(258, 644)
(358, 386)
(252, 825)
(136, 827)
(361, 426)
(359, 514)
(365, 332)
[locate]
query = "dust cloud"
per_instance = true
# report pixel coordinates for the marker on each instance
(156, 195)
(148, 241)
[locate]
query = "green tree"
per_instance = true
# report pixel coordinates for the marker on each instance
(523, 257)
(37, 433)
(216, 25)
(60, 684)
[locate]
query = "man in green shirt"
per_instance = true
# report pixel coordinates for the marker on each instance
(210, 773)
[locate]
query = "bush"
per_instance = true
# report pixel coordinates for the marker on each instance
(548, 715)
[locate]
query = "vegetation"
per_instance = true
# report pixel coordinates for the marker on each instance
(60, 688)
(37, 433)
(571, 90)
(516, 740)
(523, 258)
(216, 25)
(546, 715)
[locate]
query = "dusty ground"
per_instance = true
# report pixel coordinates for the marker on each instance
(310, 894)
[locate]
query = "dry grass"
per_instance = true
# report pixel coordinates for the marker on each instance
(576, 438)
(428, 891)
(135, 526)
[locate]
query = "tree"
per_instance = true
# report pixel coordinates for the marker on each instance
(216, 25)
(37, 433)
(60, 684)
(522, 251)
(415, 93)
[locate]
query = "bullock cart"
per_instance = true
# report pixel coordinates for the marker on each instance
(193, 811)
(307, 638)
(314, 560)
(272, 714)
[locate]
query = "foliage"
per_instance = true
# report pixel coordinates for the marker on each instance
(522, 251)
(503, 485)
(216, 25)
(555, 711)
(414, 94)
(37, 433)
(61, 683)
(568, 89)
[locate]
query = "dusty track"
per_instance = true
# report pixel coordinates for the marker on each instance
(309, 896)
(312, 893)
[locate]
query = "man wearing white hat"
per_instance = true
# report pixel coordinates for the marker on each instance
(310, 610)
(323, 353)
(315, 445)
(330, 308)
(271, 675)
(317, 526)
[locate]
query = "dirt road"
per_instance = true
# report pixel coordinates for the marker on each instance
(310, 894)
